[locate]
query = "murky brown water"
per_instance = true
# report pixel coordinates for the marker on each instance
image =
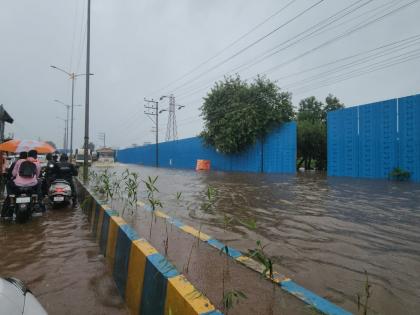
(59, 261)
(322, 232)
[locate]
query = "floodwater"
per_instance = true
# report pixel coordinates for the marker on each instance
(56, 257)
(321, 232)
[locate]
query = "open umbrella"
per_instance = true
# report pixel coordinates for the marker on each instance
(26, 145)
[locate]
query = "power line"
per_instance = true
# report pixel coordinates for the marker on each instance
(317, 32)
(345, 34)
(313, 30)
(401, 58)
(348, 65)
(378, 51)
(412, 38)
(354, 73)
(349, 31)
(228, 46)
(250, 45)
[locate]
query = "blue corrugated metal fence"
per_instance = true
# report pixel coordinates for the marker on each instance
(371, 140)
(276, 155)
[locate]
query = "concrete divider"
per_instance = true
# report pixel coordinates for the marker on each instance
(146, 280)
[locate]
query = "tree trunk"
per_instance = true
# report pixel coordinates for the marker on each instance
(300, 163)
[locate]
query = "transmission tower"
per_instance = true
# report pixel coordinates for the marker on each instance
(171, 127)
(171, 130)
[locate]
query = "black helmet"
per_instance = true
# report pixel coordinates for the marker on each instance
(64, 158)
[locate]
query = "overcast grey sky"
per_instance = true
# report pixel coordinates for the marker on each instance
(138, 47)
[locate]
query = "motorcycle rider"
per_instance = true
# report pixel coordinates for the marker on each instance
(48, 172)
(55, 157)
(10, 185)
(66, 170)
(26, 174)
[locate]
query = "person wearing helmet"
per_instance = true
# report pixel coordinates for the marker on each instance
(49, 172)
(10, 184)
(26, 173)
(66, 170)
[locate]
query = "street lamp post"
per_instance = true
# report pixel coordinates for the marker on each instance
(86, 144)
(72, 76)
(66, 124)
(68, 107)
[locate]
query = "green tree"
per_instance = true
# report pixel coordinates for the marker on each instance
(312, 130)
(331, 103)
(310, 109)
(237, 113)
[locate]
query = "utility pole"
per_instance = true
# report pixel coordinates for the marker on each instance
(86, 144)
(171, 127)
(153, 110)
(66, 124)
(102, 137)
(68, 107)
(72, 77)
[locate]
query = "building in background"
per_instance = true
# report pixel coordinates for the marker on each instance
(4, 118)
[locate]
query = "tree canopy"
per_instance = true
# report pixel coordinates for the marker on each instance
(237, 113)
(312, 130)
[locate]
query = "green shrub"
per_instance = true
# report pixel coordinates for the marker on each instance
(399, 174)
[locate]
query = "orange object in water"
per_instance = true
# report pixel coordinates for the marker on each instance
(203, 165)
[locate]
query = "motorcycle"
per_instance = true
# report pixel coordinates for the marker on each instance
(23, 203)
(60, 193)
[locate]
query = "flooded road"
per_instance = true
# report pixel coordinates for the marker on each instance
(59, 261)
(322, 232)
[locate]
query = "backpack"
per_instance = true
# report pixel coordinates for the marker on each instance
(27, 169)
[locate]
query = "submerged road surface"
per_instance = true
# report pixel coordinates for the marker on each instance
(59, 261)
(322, 232)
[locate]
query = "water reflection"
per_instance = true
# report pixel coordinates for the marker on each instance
(57, 258)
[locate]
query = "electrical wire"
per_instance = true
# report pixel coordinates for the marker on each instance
(220, 52)
(348, 65)
(260, 39)
(312, 30)
(346, 76)
(345, 34)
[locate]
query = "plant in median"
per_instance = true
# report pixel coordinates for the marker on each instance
(232, 298)
(261, 256)
(151, 189)
(106, 179)
(116, 188)
(210, 199)
(207, 206)
(363, 298)
(227, 220)
(132, 183)
(85, 202)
